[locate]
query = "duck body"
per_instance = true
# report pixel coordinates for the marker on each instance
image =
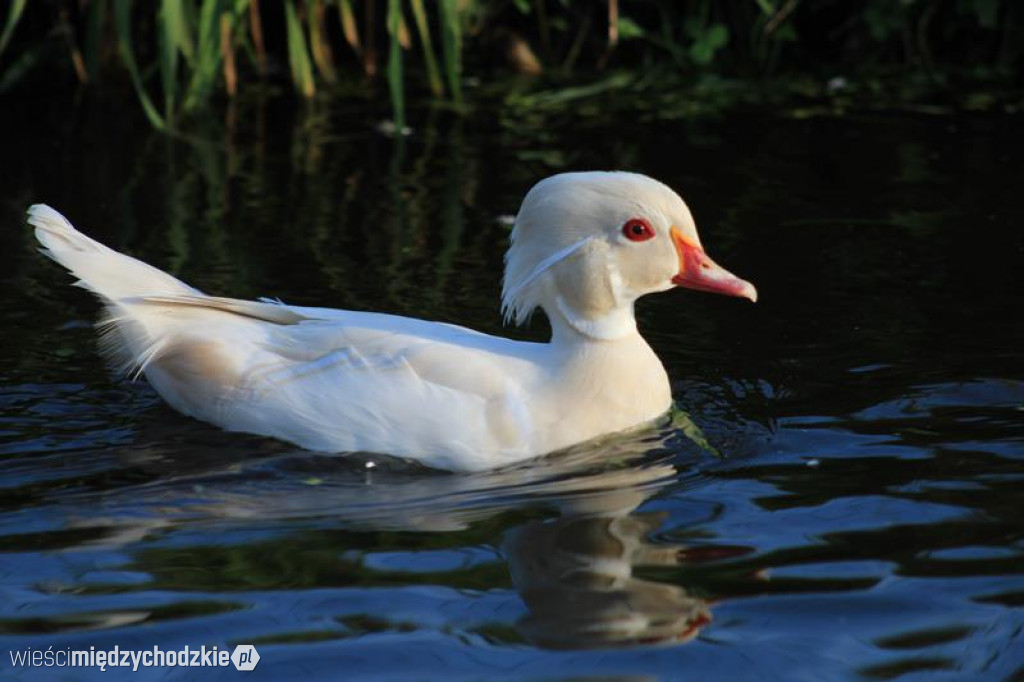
(342, 381)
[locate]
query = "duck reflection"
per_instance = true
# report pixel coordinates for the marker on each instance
(575, 575)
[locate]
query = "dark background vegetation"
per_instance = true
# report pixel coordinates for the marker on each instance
(188, 57)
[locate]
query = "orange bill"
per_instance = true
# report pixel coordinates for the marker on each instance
(698, 271)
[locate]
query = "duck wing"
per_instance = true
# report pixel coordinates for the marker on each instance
(338, 381)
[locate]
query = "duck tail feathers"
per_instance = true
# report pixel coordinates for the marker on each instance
(105, 272)
(130, 336)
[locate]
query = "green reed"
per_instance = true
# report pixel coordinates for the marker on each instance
(182, 56)
(202, 45)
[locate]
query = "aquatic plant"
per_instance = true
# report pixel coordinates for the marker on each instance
(182, 56)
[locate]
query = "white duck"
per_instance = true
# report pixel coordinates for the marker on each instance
(584, 247)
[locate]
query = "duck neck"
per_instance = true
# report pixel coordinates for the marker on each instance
(571, 327)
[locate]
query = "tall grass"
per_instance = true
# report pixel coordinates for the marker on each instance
(198, 50)
(181, 56)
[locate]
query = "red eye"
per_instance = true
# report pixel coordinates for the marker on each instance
(638, 230)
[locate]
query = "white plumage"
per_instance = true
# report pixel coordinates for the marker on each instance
(339, 381)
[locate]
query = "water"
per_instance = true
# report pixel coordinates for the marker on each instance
(855, 513)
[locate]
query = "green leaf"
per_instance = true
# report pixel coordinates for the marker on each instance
(123, 20)
(208, 56)
(433, 72)
(629, 29)
(323, 58)
(13, 16)
(713, 39)
(451, 44)
(680, 419)
(173, 12)
(298, 54)
(168, 49)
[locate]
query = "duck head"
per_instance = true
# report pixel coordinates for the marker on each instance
(585, 246)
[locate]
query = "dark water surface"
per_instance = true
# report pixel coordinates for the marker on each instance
(858, 513)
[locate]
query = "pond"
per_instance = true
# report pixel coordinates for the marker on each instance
(843, 501)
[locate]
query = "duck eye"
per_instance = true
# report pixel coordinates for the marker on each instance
(638, 230)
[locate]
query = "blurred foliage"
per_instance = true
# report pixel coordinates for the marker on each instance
(183, 56)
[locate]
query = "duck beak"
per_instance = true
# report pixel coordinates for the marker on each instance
(697, 271)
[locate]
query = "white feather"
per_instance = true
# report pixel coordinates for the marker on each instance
(517, 307)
